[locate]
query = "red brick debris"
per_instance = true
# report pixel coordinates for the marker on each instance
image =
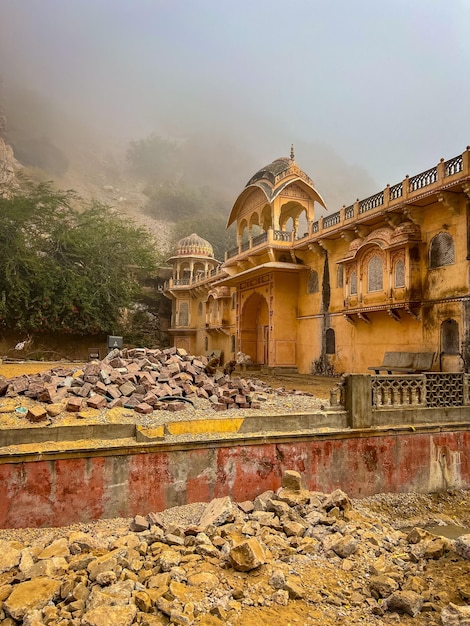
(142, 379)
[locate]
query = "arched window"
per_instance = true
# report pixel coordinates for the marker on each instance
(339, 276)
(353, 284)
(312, 285)
(184, 314)
(441, 250)
(199, 308)
(330, 341)
(232, 343)
(450, 337)
(400, 273)
(234, 300)
(375, 274)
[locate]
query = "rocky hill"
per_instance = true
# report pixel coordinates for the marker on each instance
(8, 164)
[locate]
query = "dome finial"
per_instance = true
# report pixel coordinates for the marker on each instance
(292, 156)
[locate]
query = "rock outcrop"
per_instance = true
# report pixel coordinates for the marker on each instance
(8, 164)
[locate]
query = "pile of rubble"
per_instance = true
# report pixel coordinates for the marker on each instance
(141, 379)
(296, 556)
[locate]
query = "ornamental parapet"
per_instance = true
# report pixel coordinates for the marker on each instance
(440, 177)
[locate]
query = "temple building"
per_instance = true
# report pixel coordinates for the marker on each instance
(390, 272)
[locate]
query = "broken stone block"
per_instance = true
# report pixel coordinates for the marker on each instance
(30, 595)
(97, 402)
(247, 555)
(36, 413)
(294, 588)
(115, 403)
(139, 524)
(292, 480)
(3, 385)
(454, 615)
(382, 586)
(143, 408)
(127, 389)
(219, 511)
(84, 390)
(100, 388)
(74, 404)
(405, 602)
(34, 390)
(176, 406)
(346, 546)
(337, 498)
(462, 546)
(218, 406)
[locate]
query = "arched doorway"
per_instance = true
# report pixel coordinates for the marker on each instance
(254, 329)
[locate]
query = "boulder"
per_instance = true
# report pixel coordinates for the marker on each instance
(31, 595)
(454, 615)
(247, 555)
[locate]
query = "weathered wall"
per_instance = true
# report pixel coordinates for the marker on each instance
(60, 491)
(52, 346)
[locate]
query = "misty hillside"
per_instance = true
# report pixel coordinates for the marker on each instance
(172, 185)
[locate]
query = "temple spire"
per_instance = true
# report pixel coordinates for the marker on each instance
(292, 156)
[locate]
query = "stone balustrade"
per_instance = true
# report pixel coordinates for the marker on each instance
(410, 188)
(373, 401)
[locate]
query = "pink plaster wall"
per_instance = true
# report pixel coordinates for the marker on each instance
(63, 491)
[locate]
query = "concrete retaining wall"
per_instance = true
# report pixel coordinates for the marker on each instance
(70, 486)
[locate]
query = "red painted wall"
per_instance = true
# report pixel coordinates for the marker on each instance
(63, 491)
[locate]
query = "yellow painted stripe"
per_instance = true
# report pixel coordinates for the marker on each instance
(158, 432)
(196, 427)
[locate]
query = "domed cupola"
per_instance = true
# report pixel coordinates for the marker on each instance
(194, 246)
(278, 193)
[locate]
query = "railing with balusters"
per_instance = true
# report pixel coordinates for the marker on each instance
(431, 389)
(402, 191)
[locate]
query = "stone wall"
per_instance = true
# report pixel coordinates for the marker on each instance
(77, 486)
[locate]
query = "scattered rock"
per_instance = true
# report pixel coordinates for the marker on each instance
(212, 564)
(247, 555)
(405, 602)
(453, 615)
(218, 512)
(30, 595)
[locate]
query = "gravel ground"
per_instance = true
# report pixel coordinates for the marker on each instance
(399, 510)
(277, 402)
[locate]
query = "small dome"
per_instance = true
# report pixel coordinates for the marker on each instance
(269, 172)
(193, 245)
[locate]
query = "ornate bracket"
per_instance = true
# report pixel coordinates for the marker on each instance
(412, 214)
(362, 231)
(394, 315)
(414, 315)
(348, 235)
(394, 219)
(364, 318)
(450, 201)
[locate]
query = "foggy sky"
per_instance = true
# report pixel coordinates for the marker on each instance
(382, 84)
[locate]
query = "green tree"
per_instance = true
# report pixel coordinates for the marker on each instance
(67, 270)
(211, 227)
